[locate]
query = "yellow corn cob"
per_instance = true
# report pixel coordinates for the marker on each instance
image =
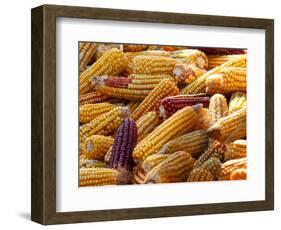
(179, 123)
(239, 174)
(87, 51)
(92, 98)
(230, 166)
(134, 48)
(108, 155)
(175, 168)
(90, 111)
(112, 62)
(216, 149)
(104, 124)
(236, 149)
(131, 55)
(208, 171)
(199, 85)
(204, 120)
(200, 174)
(146, 124)
(99, 176)
(153, 65)
(229, 80)
(164, 89)
(229, 128)
(135, 87)
(217, 60)
(193, 143)
(237, 101)
(102, 49)
(191, 56)
(86, 163)
(96, 146)
(218, 107)
(187, 73)
(152, 161)
(132, 105)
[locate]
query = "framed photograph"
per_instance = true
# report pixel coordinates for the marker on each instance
(139, 114)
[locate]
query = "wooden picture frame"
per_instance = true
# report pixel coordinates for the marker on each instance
(43, 208)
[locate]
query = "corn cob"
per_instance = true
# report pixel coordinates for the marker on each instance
(186, 73)
(132, 105)
(204, 120)
(146, 124)
(138, 175)
(96, 146)
(181, 122)
(104, 124)
(236, 149)
(221, 51)
(86, 163)
(230, 166)
(237, 101)
(175, 168)
(239, 174)
(229, 128)
(217, 60)
(213, 165)
(169, 105)
(124, 143)
(112, 62)
(218, 107)
(92, 98)
(134, 48)
(152, 161)
(191, 56)
(216, 149)
(131, 55)
(87, 51)
(102, 49)
(153, 65)
(229, 80)
(135, 87)
(90, 111)
(164, 89)
(200, 174)
(99, 177)
(194, 143)
(199, 85)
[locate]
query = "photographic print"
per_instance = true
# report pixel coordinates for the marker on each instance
(152, 114)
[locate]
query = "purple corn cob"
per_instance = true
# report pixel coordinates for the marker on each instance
(123, 146)
(169, 105)
(221, 51)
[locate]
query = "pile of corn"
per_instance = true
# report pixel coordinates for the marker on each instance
(161, 114)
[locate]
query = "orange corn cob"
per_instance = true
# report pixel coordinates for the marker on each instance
(153, 65)
(102, 49)
(229, 128)
(132, 105)
(112, 62)
(92, 98)
(217, 60)
(96, 146)
(229, 80)
(218, 107)
(135, 87)
(90, 111)
(230, 166)
(237, 101)
(194, 143)
(175, 168)
(239, 174)
(236, 149)
(199, 85)
(134, 48)
(204, 120)
(181, 122)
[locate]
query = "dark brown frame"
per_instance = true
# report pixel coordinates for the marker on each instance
(43, 188)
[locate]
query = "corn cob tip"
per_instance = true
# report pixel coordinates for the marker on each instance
(98, 81)
(89, 146)
(214, 131)
(197, 107)
(124, 176)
